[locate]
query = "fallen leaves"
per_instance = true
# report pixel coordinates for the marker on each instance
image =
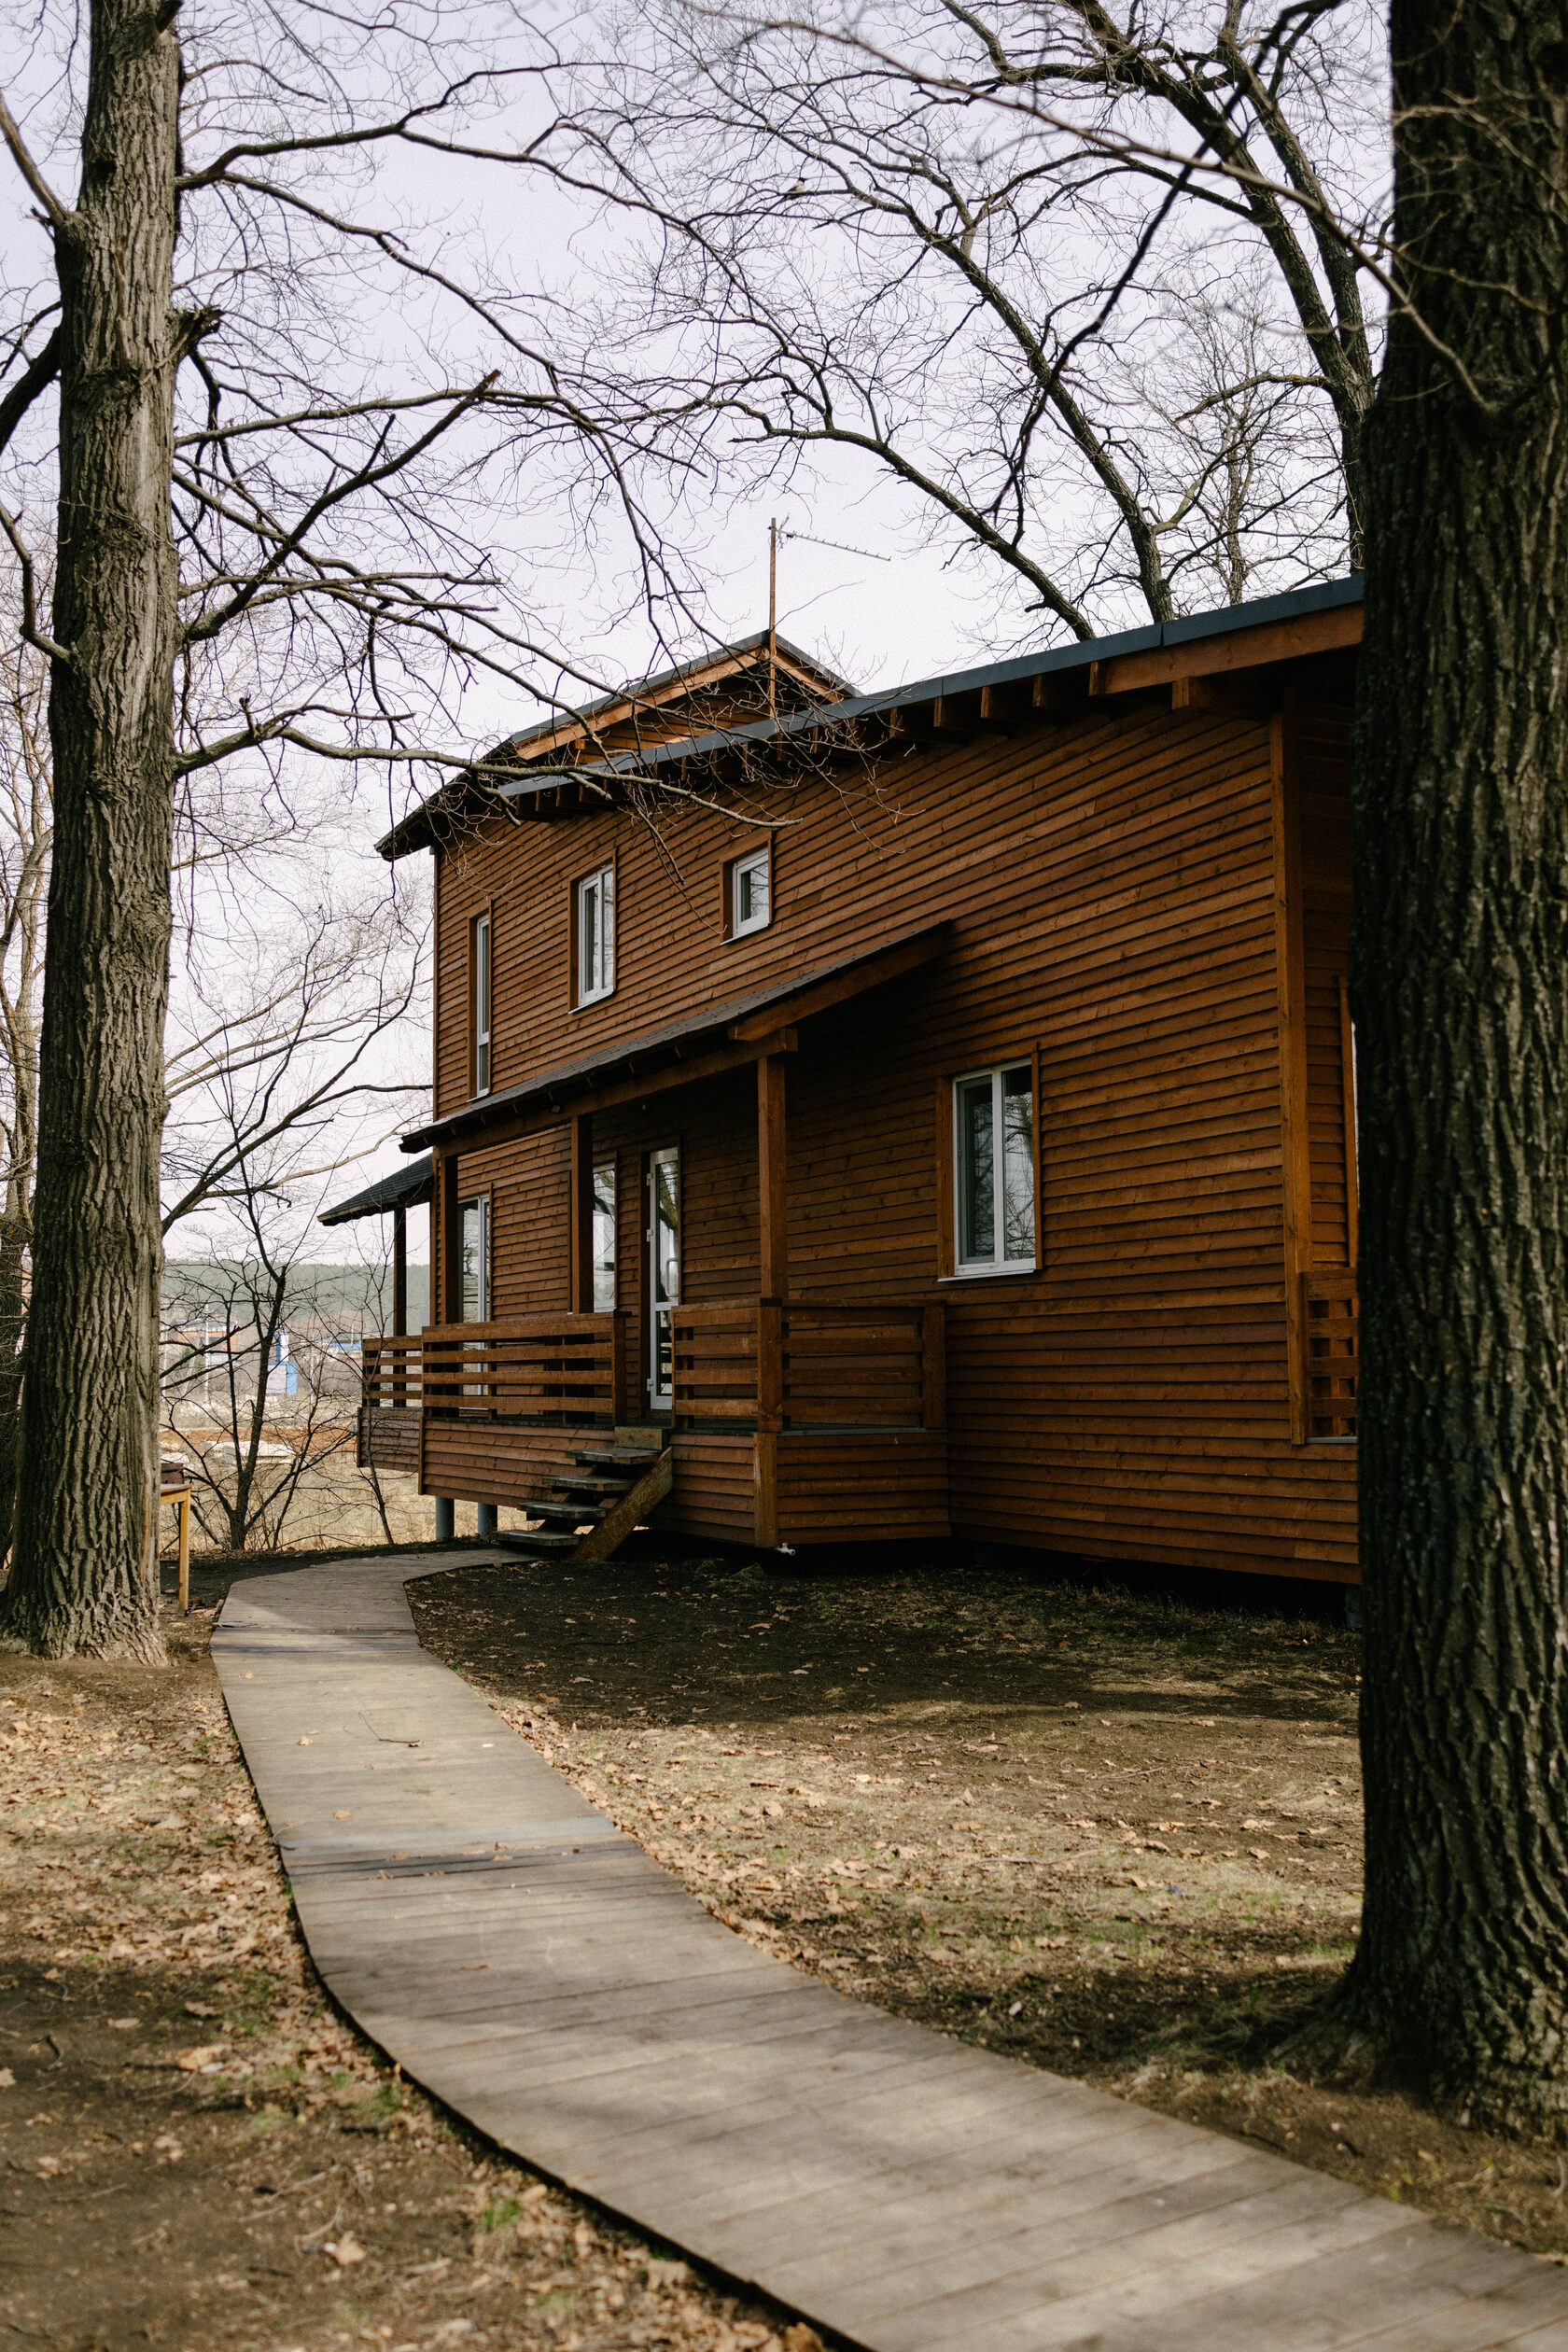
(200, 2056)
(345, 2251)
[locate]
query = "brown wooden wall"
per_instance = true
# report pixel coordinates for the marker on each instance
(1111, 884)
(1325, 826)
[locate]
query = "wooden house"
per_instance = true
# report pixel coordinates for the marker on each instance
(920, 1113)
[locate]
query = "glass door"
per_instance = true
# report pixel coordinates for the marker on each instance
(664, 1274)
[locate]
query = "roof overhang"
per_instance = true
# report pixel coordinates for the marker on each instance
(704, 1043)
(405, 1188)
(1202, 652)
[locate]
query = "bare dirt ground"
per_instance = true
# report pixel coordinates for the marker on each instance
(1100, 1830)
(196, 2151)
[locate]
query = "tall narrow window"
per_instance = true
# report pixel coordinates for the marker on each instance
(482, 1004)
(751, 895)
(595, 935)
(474, 1223)
(603, 1237)
(993, 1117)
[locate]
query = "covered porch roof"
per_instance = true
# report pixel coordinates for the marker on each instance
(702, 1043)
(406, 1188)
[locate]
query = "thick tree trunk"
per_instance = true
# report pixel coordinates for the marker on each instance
(1460, 976)
(16, 1228)
(84, 1571)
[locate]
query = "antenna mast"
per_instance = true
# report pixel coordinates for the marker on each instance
(773, 618)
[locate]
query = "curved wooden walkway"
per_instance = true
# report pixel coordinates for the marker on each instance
(531, 1967)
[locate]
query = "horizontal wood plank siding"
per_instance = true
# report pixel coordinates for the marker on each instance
(1325, 735)
(714, 1493)
(484, 1462)
(838, 1488)
(1110, 885)
(389, 1440)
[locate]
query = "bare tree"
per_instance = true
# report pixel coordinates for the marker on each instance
(941, 237)
(277, 533)
(25, 828)
(249, 1397)
(282, 1009)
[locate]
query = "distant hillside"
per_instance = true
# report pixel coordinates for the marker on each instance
(350, 1298)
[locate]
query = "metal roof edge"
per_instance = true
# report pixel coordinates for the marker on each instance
(1317, 596)
(401, 1189)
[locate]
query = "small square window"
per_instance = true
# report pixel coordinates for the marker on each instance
(993, 1136)
(595, 935)
(750, 892)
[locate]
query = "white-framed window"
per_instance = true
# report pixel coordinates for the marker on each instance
(994, 1170)
(595, 935)
(482, 1004)
(664, 1270)
(750, 892)
(603, 1237)
(473, 1227)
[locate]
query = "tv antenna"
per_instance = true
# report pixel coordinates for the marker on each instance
(777, 535)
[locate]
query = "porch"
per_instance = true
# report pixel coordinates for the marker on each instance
(793, 1421)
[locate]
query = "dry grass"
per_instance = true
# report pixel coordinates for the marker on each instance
(1100, 1830)
(198, 2151)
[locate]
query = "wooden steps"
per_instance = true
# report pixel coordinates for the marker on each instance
(590, 1510)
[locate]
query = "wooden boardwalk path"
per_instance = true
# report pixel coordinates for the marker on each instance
(530, 1965)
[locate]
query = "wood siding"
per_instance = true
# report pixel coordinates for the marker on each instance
(1111, 884)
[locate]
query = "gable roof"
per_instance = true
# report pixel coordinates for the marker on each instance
(801, 683)
(1163, 647)
(730, 687)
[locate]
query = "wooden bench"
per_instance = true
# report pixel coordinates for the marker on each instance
(173, 1485)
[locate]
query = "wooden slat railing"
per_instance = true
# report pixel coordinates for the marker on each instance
(810, 1364)
(715, 1353)
(547, 1369)
(392, 1372)
(1331, 1333)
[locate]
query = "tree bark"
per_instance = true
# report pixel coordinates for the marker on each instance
(16, 1226)
(84, 1570)
(1460, 980)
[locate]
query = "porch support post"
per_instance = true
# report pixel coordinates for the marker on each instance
(446, 1267)
(579, 1281)
(399, 1273)
(770, 1419)
(772, 1155)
